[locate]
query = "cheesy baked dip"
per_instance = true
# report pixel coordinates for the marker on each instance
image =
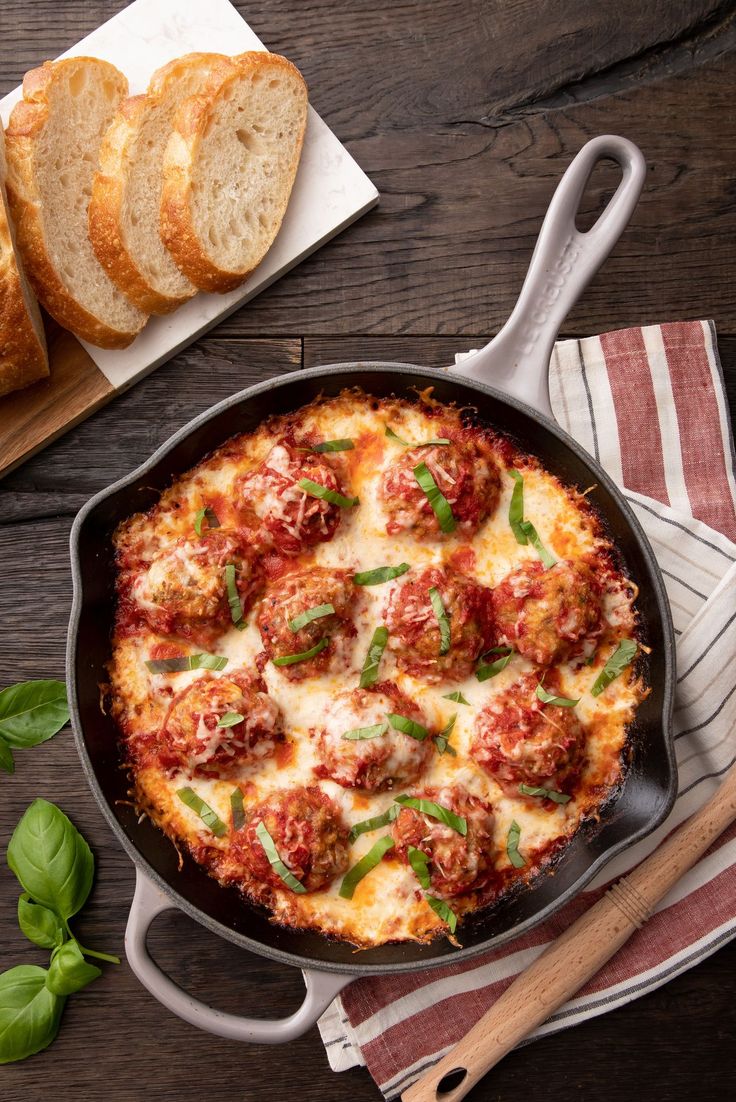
(373, 665)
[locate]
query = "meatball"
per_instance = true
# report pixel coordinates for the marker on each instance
(457, 863)
(387, 759)
(414, 628)
(309, 833)
(295, 594)
(278, 510)
(183, 592)
(520, 740)
(193, 739)
(548, 615)
(465, 472)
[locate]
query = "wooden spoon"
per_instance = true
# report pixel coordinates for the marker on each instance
(577, 955)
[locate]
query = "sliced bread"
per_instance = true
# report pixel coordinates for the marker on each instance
(126, 192)
(23, 358)
(229, 168)
(53, 139)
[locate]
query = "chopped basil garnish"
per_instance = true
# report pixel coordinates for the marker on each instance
(545, 793)
(333, 446)
(380, 574)
(366, 864)
(442, 740)
(229, 719)
(442, 440)
(443, 911)
(314, 489)
(456, 697)
(435, 497)
(292, 659)
(420, 864)
(533, 537)
(237, 809)
(408, 726)
(490, 669)
(202, 515)
(512, 846)
(435, 811)
(623, 655)
(315, 613)
(369, 673)
(516, 508)
(233, 597)
(377, 821)
(269, 847)
(358, 733)
(558, 701)
(442, 619)
(208, 816)
(186, 662)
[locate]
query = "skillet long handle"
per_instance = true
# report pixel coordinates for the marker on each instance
(579, 953)
(564, 261)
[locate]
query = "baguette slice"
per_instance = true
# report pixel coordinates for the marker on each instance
(23, 357)
(229, 167)
(53, 139)
(126, 192)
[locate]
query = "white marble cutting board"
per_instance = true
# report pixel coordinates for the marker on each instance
(330, 190)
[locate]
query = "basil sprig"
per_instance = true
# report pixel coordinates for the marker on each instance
(233, 597)
(55, 867)
(237, 809)
(365, 865)
(186, 662)
(359, 733)
(380, 574)
(365, 826)
(203, 515)
(420, 864)
(269, 848)
(442, 619)
(30, 713)
(439, 503)
(439, 441)
(442, 740)
(435, 811)
(443, 910)
(524, 530)
(207, 814)
(315, 489)
(408, 726)
(230, 719)
(369, 673)
(558, 701)
(344, 445)
(623, 655)
(292, 659)
(309, 615)
(486, 670)
(512, 846)
(545, 793)
(456, 697)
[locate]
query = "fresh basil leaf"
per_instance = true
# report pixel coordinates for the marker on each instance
(439, 441)
(420, 864)
(208, 815)
(205, 514)
(314, 489)
(292, 659)
(29, 1013)
(237, 809)
(533, 536)
(369, 673)
(435, 811)
(487, 670)
(366, 864)
(380, 574)
(545, 793)
(558, 701)
(442, 740)
(512, 846)
(358, 733)
(269, 847)
(6, 758)
(230, 719)
(457, 698)
(367, 825)
(439, 503)
(51, 859)
(623, 655)
(345, 445)
(233, 597)
(32, 712)
(311, 614)
(407, 726)
(187, 662)
(69, 971)
(442, 619)
(395, 437)
(40, 925)
(443, 910)
(516, 508)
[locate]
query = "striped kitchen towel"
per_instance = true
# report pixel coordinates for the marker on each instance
(650, 405)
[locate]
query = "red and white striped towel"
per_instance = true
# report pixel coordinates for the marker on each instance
(650, 405)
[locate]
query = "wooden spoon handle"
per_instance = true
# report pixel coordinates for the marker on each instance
(578, 954)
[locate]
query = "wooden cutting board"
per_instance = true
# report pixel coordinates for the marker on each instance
(330, 192)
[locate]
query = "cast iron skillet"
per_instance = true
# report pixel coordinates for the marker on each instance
(518, 403)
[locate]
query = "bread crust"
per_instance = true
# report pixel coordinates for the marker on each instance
(177, 225)
(27, 120)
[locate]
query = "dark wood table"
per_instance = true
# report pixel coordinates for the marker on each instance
(464, 114)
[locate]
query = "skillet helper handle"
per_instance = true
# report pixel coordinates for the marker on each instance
(322, 987)
(578, 954)
(564, 261)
